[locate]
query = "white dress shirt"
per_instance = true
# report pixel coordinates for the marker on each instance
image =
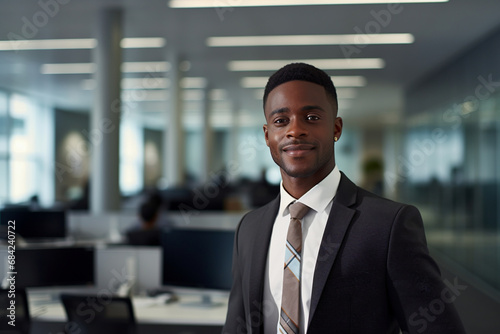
(319, 199)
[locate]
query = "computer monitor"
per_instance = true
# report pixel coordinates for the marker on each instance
(54, 267)
(35, 225)
(198, 258)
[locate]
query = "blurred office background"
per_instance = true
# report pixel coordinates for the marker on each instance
(102, 102)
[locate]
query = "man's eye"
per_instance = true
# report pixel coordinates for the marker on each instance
(279, 121)
(312, 118)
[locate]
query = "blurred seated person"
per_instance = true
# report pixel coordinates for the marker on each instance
(147, 233)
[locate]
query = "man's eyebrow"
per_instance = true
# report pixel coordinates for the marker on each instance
(279, 111)
(312, 107)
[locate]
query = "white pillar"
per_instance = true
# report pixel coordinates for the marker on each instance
(105, 118)
(173, 135)
(207, 136)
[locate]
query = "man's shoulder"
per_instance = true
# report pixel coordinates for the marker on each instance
(371, 201)
(376, 203)
(263, 211)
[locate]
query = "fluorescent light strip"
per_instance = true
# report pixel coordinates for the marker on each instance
(48, 44)
(193, 82)
(78, 43)
(339, 81)
(261, 3)
(277, 40)
(86, 68)
(145, 67)
(145, 83)
(325, 64)
(254, 82)
(133, 83)
(70, 68)
(139, 96)
(143, 42)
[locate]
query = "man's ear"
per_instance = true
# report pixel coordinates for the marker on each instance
(337, 132)
(266, 136)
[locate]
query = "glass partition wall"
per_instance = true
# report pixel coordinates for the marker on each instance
(450, 169)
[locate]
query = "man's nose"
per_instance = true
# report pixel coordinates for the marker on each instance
(297, 128)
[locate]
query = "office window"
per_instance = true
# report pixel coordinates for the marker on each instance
(22, 147)
(131, 156)
(4, 179)
(26, 137)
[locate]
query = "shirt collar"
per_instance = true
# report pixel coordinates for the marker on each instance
(317, 198)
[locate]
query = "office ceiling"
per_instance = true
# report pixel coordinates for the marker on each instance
(441, 32)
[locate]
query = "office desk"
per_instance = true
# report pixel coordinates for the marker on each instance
(152, 316)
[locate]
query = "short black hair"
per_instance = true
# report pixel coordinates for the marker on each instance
(150, 208)
(148, 211)
(304, 72)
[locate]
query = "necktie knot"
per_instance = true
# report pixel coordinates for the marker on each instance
(298, 210)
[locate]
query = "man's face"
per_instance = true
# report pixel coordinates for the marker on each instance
(300, 130)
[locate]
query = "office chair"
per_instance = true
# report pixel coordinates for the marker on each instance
(22, 315)
(89, 314)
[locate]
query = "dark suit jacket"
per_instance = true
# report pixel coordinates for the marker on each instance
(373, 273)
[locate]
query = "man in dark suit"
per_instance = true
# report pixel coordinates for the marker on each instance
(365, 267)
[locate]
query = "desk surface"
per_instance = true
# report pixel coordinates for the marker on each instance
(147, 310)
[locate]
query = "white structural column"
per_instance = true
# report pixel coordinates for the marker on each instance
(105, 118)
(234, 132)
(207, 136)
(173, 135)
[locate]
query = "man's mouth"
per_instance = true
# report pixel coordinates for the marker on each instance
(298, 149)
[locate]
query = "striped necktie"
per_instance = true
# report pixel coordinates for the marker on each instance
(290, 300)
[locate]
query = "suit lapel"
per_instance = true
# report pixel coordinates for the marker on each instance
(263, 229)
(336, 227)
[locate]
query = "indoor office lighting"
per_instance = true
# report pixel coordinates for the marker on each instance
(347, 39)
(325, 64)
(150, 95)
(78, 43)
(48, 44)
(193, 82)
(70, 68)
(143, 42)
(133, 83)
(261, 3)
(254, 82)
(339, 81)
(145, 83)
(145, 66)
(86, 68)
